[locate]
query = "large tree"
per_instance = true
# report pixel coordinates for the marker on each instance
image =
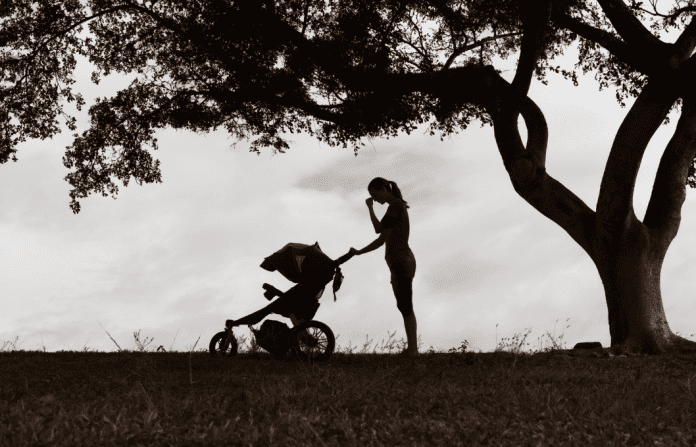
(345, 70)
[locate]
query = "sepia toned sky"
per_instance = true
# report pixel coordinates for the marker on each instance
(176, 259)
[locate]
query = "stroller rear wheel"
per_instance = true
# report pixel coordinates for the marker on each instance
(216, 345)
(313, 341)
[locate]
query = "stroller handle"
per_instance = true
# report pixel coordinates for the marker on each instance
(344, 258)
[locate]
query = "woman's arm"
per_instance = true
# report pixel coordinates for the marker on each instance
(374, 245)
(375, 222)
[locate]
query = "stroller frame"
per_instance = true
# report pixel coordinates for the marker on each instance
(308, 340)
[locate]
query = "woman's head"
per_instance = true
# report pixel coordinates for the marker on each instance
(383, 190)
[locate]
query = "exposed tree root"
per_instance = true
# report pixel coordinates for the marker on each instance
(675, 345)
(681, 344)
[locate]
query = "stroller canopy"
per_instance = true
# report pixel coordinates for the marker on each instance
(301, 263)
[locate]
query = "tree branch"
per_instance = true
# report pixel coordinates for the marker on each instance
(461, 50)
(516, 156)
(535, 19)
(80, 22)
(669, 190)
(521, 162)
(30, 57)
(685, 75)
(67, 30)
(673, 16)
(423, 51)
(196, 38)
(615, 202)
(410, 44)
(311, 108)
(306, 14)
(407, 61)
(685, 44)
(526, 168)
(315, 110)
(620, 49)
(678, 83)
(631, 30)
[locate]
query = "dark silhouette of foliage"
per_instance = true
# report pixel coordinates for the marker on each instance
(341, 71)
(37, 57)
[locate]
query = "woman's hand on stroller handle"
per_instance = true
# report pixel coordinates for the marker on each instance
(352, 252)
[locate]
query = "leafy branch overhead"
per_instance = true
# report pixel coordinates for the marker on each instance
(38, 42)
(339, 70)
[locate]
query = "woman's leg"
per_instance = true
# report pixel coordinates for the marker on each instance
(411, 333)
(402, 272)
(403, 291)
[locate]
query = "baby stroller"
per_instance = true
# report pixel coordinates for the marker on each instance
(311, 270)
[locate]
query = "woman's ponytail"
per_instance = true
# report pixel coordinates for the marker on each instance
(397, 192)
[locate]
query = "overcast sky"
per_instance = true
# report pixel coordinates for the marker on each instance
(184, 255)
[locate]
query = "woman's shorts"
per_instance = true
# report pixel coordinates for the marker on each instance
(403, 269)
(402, 266)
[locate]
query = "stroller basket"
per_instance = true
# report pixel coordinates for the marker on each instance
(273, 336)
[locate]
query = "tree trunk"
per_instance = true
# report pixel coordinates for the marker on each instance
(628, 253)
(630, 274)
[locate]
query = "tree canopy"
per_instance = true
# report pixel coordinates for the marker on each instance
(340, 70)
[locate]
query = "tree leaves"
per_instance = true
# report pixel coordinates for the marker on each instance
(37, 44)
(261, 69)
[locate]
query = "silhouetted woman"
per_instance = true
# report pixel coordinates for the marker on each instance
(393, 231)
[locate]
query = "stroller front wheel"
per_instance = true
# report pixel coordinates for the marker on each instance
(218, 341)
(313, 341)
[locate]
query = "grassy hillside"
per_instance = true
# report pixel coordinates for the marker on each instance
(557, 397)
